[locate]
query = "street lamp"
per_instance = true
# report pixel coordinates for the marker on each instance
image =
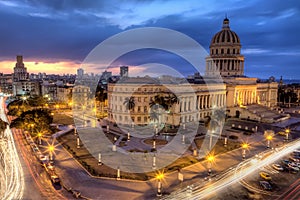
(287, 132)
(31, 125)
(159, 177)
(40, 138)
(210, 158)
(269, 138)
(51, 151)
(245, 146)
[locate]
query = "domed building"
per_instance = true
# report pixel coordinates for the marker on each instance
(245, 96)
(241, 96)
(225, 58)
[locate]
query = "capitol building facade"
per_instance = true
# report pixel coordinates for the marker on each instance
(132, 100)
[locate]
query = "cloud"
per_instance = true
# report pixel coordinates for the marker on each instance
(255, 51)
(69, 30)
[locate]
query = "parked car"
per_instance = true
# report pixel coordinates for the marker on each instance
(277, 167)
(265, 176)
(294, 159)
(293, 166)
(55, 179)
(285, 162)
(282, 133)
(265, 185)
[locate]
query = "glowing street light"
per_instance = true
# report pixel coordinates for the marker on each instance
(269, 138)
(287, 132)
(31, 125)
(210, 158)
(51, 149)
(159, 177)
(245, 146)
(40, 138)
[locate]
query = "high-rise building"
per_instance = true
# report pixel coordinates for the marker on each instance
(20, 71)
(80, 73)
(124, 71)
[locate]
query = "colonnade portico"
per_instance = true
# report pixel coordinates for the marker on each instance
(206, 101)
(245, 97)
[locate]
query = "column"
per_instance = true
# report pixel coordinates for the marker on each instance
(202, 101)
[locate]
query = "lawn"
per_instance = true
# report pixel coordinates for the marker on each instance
(59, 118)
(91, 164)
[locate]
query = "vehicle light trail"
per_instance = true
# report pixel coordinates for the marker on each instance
(249, 166)
(12, 182)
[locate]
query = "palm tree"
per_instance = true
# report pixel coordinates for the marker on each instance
(3, 125)
(171, 100)
(129, 103)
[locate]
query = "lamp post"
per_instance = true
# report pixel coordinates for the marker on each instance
(32, 125)
(118, 174)
(128, 136)
(51, 151)
(78, 142)
(245, 146)
(154, 162)
(99, 159)
(154, 144)
(269, 138)
(40, 138)
(210, 158)
(159, 177)
(287, 132)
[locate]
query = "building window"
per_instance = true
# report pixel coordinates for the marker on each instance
(145, 109)
(139, 119)
(139, 108)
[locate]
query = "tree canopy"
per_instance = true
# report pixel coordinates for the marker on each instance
(36, 121)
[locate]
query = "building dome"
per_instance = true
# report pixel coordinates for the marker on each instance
(225, 36)
(225, 57)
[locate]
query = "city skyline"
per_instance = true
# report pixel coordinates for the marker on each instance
(64, 33)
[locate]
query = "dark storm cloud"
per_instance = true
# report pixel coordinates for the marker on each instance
(70, 29)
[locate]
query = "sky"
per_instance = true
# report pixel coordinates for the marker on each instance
(56, 36)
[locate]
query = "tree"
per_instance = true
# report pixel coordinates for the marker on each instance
(37, 120)
(101, 94)
(129, 103)
(3, 126)
(37, 101)
(17, 107)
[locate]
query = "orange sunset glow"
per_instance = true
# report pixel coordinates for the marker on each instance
(64, 67)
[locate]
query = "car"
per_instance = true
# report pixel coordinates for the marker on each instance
(294, 167)
(297, 151)
(265, 176)
(50, 166)
(294, 159)
(277, 167)
(295, 155)
(282, 133)
(42, 158)
(55, 179)
(285, 162)
(265, 185)
(35, 148)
